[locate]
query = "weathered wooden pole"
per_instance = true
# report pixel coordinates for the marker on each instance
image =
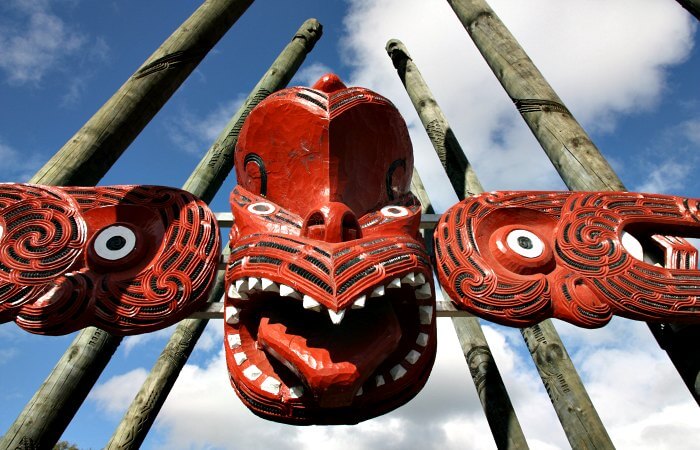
(693, 6)
(83, 161)
(578, 161)
(500, 415)
(576, 413)
(493, 395)
(204, 182)
(561, 137)
(87, 156)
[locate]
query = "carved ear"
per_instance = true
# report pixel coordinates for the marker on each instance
(128, 259)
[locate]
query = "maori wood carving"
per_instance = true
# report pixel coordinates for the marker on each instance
(517, 258)
(127, 259)
(330, 312)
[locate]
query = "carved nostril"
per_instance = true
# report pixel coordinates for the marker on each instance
(315, 226)
(351, 227)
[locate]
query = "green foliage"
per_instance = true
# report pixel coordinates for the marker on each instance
(63, 445)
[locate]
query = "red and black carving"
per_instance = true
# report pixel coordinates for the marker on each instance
(127, 259)
(330, 312)
(517, 258)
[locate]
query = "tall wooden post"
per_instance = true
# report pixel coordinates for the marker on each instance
(87, 156)
(693, 7)
(569, 397)
(493, 395)
(578, 161)
(84, 160)
(204, 182)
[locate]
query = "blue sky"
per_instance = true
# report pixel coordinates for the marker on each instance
(628, 70)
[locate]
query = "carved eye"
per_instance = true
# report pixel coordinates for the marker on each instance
(394, 211)
(525, 243)
(261, 208)
(114, 242)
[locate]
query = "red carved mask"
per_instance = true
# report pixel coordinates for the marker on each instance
(329, 305)
(127, 259)
(517, 258)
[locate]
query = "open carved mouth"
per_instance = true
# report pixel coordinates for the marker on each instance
(338, 359)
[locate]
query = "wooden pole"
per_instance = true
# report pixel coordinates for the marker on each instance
(493, 395)
(693, 7)
(575, 157)
(204, 182)
(83, 161)
(576, 413)
(87, 156)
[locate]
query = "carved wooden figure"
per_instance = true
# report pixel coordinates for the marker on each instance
(517, 258)
(330, 312)
(127, 259)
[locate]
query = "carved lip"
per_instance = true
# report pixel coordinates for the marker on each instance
(298, 359)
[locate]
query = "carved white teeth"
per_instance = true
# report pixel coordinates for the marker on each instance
(296, 391)
(394, 284)
(409, 279)
(252, 372)
(424, 292)
(359, 392)
(233, 293)
(310, 303)
(234, 341)
(413, 356)
(426, 314)
(271, 385)
(240, 358)
(397, 372)
(286, 291)
(232, 315)
(420, 279)
(253, 283)
(377, 292)
(336, 317)
(360, 302)
(422, 339)
(269, 285)
(379, 380)
(241, 285)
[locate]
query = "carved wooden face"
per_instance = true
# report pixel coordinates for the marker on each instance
(127, 259)
(329, 306)
(517, 258)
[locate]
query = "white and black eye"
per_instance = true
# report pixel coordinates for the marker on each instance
(261, 208)
(394, 211)
(115, 242)
(525, 243)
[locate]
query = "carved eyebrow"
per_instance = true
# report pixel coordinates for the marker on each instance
(257, 160)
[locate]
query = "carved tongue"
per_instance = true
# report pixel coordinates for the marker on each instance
(332, 360)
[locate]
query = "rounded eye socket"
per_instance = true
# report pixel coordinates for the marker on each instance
(114, 242)
(394, 211)
(261, 208)
(525, 243)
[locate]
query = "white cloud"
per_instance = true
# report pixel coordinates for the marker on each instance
(690, 129)
(666, 178)
(195, 133)
(602, 58)
(16, 166)
(116, 394)
(38, 41)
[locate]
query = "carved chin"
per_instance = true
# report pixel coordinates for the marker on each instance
(293, 360)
